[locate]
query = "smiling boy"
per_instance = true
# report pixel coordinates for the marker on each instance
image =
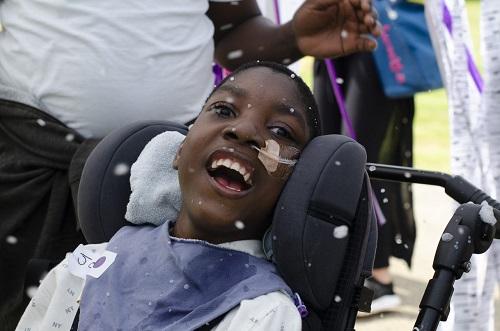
(207, 266)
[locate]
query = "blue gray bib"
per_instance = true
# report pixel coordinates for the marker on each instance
(163, 283)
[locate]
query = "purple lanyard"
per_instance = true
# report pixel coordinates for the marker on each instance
(218, 74)
(277, 15)
(474, 72)
(339, 96)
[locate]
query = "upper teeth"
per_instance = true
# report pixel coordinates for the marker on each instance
(233, 165)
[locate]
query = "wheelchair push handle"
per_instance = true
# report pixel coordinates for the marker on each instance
(466, 234)
(456, 187)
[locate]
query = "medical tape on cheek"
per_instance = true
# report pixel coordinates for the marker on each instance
(278, 160)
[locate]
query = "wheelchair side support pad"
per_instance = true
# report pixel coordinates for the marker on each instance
(105, 187)
(323, 198)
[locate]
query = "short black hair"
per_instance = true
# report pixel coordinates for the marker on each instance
(306, 96)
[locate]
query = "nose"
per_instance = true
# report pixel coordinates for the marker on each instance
(244, 132)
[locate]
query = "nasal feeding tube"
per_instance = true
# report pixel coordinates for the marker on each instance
(278, 159)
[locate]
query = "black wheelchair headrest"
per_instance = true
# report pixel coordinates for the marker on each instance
(323, 235)
(104, 189)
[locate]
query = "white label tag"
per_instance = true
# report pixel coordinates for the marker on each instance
(84, 261)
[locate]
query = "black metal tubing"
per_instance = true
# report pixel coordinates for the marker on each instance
(406, 174)
(455, 187)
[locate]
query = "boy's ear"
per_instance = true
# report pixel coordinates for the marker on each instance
(175, 163)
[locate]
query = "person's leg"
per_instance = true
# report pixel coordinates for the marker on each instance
(37, 217)
(331, 122)
(384, 127)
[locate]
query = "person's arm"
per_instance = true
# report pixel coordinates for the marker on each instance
(320, 28)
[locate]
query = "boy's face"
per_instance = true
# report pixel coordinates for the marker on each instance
(227, 192)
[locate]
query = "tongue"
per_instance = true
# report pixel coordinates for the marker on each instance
(228, 183)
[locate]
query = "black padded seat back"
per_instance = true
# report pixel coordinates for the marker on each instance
(104, 189)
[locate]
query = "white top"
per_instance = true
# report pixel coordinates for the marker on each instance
(56, 302)
(98, 65)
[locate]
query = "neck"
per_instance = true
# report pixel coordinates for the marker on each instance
(187, 228)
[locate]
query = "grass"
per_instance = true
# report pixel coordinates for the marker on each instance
(431, 148)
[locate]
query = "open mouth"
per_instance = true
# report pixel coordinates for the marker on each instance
(230, 172)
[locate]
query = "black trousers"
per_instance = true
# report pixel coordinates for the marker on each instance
(384, 127)
(40, 165)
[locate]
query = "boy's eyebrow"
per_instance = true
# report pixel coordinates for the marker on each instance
(233, 89)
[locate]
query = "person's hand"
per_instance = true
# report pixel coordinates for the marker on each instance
(331, 28)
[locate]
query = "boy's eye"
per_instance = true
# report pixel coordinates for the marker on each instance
(282, 132)
(223, 111)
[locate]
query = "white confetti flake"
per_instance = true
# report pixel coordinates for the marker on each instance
(292, 76)
(239, 225)
(292, 110)
(340, 231)
(236, 54)
(186, 286)
(407, 175)
(31, 291)
(382, 190)
(70, 137)
(231, 79)
(11, 240)
(447, 237)
(385, 200)
(339, 80)
(286, 61)
(337, 163)
(337, 298)
(372, 168)
(226, 27)
(41, 122)
(344, 34)
(392, 14)
(121, 169)
(486, 213)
